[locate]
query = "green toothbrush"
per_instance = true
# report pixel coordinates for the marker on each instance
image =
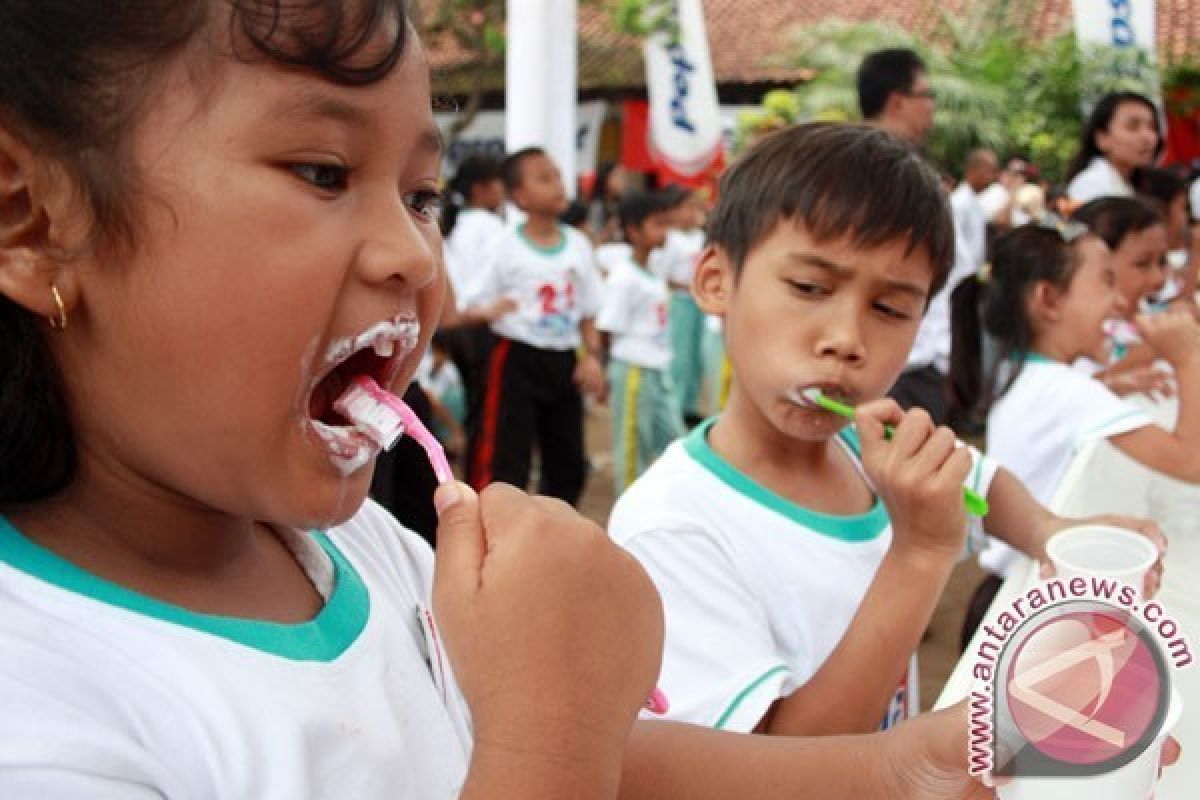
(976, 504)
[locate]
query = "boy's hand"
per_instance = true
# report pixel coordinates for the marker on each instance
(919, 474)
(555, 633)
(1174, 334)
(590, 378)
(500, 308)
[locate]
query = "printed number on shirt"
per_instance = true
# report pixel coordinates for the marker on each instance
(558, 303)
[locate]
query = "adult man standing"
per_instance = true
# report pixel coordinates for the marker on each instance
(923, 382)
(894, 93)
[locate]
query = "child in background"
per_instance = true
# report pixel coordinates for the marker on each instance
(535, 379)
(472, 217)
(443, 385)
(167, 628)
(685, 241)
(799, 559)
(1046, 302)
(634, 314)
(1169, 194)
(1136, 237)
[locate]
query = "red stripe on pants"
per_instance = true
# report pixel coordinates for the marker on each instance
(481, 472)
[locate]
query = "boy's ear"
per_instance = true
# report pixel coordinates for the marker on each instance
(1045, 302)
(32, 201)
(712, 282)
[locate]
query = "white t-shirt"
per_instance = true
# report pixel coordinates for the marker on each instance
(680, 253)
(932, 345)
(757, 590)
(107, 694)
(467, 247)
(1098, 179)
(635, 313)
(555, 288)
(1041, 422)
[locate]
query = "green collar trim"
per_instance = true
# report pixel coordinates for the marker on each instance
(552, 250)
(323, 638)
(852, 528)
(1031, 358)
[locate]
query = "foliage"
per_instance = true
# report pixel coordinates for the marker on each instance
(996, 87)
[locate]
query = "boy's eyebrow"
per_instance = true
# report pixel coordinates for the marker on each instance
(813, 260)
(319, 106)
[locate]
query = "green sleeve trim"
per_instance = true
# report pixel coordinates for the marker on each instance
(744, 693)
(323, 638)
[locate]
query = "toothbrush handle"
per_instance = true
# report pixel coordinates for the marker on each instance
(976, 504)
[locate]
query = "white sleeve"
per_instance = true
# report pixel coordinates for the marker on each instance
(721, 667)
(979, 479)
(1098, 412)
(591, 286)
(480, 277)
(614, 313)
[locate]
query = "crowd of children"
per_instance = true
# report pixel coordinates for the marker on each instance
(234, 218)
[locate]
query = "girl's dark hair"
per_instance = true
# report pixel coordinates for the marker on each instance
(474, 170)
(1114, 218)
(74, 76)
(996, 305)
(1101, 117)
(1159, 186)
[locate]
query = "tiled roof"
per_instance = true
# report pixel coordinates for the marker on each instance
(746, 37)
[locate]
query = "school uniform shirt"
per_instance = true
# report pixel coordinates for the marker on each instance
(1099, 179)
(634, 311)
(107, 694)
(468, 246)
(555, 288)
(1041, 422)
(680, 253)
(757, 590)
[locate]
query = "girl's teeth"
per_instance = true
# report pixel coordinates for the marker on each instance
(384, 347)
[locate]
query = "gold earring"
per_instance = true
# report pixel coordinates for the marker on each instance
(59, 324)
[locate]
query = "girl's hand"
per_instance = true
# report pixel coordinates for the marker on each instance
(1149, 380)
(1174, 334)
(1145, 527)
(919, 474)
(554, 632)
(928, 759)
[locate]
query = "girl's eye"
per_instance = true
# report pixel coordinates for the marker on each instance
(327, 177)
(426, 202)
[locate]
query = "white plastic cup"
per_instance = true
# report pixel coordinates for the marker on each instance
(1134, 781)
(1102, 550)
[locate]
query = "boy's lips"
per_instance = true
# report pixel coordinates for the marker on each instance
(834, 391)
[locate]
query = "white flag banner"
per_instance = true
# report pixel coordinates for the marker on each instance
(685, 122)
(1116, 23)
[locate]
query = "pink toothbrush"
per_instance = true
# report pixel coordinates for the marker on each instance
(385, 418)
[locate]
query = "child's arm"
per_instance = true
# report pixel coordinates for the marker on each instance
(923, 759)
(1176, 336)
(555, 635)
(1018, 519)
(589, 372)
(919, 475)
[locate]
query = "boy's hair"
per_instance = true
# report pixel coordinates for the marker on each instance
(74, 75)
(514, 165)
(636, 207)
(1160, 186)
(836, 181)
(1114, 218)
(1021, 258)
(884, 72)
(673, 196)
(575, 215)
(1099, 120)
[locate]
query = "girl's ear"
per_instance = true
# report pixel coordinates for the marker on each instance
(1045, 302)
(31, 202)
(712, 282)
